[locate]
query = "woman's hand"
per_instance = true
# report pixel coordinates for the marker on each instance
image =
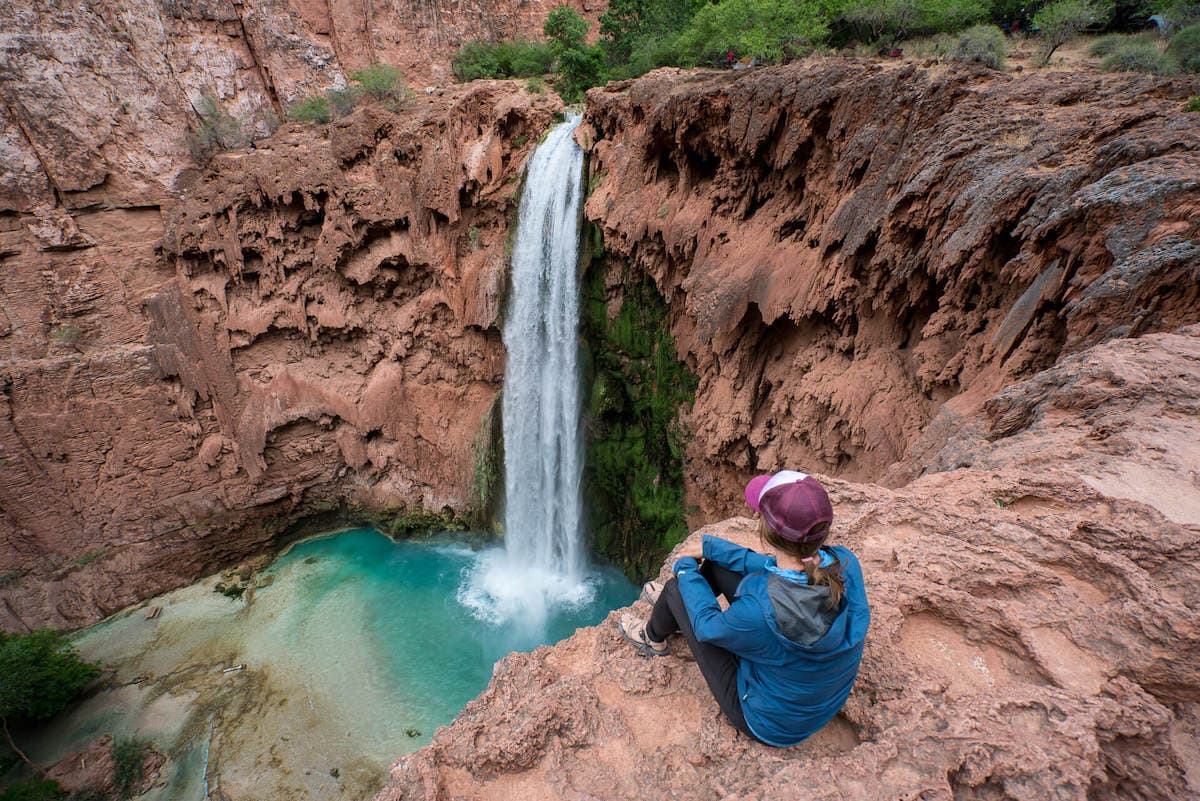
(692, 549)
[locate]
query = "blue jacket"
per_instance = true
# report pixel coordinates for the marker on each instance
(797, 659)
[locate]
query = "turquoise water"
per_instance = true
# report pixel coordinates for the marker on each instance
(399, 602)
(350, 651)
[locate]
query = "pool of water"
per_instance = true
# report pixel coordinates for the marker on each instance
(351, 651)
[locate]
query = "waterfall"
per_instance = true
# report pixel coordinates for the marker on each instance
(542, 463)
(543, 562)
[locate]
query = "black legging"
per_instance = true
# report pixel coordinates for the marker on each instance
(718, 666)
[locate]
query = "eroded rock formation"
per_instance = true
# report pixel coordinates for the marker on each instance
(311, 327)
(854, 251)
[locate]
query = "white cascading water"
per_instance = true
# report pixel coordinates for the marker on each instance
(543, 563)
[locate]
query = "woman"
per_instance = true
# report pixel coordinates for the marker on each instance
(782, 658)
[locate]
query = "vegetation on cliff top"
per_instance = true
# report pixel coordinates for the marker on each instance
(378, 83)
(633, 471)
(639, 35)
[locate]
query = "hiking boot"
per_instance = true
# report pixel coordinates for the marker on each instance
(651, 590)
(633, 628)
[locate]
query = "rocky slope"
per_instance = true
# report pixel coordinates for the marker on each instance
(1033, 636)
(309, 328)
(857, 254)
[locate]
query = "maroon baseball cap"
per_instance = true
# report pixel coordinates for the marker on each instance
(791, 502)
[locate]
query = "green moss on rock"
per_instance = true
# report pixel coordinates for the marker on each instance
(639, 391)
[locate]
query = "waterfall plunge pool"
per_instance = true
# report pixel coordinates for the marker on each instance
(355, 649)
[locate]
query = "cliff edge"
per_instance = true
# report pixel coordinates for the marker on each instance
(1032, 636)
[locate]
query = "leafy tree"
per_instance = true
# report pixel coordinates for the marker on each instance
(1063, 20)
(39, 675)
(580, 65)
(565, 28)
(769, 30)
(638, 32)
(1185, 47)
(896, 20)
(508, 59)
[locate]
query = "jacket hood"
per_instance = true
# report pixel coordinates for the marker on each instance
(803, 620)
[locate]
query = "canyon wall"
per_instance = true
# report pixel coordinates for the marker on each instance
(858, 254)
(309, 326)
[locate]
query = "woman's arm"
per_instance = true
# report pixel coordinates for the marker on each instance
(734, 557)
(740, 629)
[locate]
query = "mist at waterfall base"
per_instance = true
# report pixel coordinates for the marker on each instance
(543, 565)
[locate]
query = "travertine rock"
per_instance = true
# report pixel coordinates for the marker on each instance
(851, 247)
(1032, 637)
(311, 328)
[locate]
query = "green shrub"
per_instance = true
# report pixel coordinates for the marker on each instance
(310, 109)
(508, 59)
(1063, 20)
(218, 130)
(1137, 55)
(379, 82)
(67, 334)
(536, 85)
(1185, 48)
(33, 790)
(938, 46)
(1192, 104)
(128, 755)
(341, 101)
(1104, 45)
(981, 43)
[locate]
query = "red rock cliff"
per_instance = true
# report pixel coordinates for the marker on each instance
(309, 327)
(857, 254)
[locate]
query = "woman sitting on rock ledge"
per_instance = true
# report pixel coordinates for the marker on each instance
(782, 658)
